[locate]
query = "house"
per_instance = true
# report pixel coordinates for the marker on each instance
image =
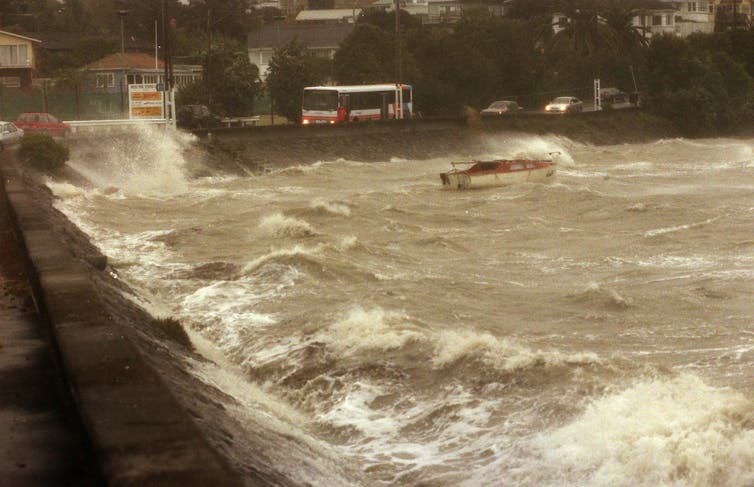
(656, 21)
(113, 73)
(329, 16)
(17, 61)
(444, 11)
(415, 9)
(692, 17)
(322, 40)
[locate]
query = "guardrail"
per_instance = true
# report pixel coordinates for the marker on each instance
(240, 121)
(76, 125)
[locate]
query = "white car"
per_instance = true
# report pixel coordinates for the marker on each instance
(9, 134)
(565, 104)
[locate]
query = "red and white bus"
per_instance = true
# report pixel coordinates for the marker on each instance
(335, 104)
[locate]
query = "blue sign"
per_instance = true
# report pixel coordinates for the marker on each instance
(160, 87)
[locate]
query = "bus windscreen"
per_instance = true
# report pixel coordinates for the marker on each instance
(320, 100)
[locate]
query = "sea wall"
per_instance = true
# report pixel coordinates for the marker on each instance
(256, 148)
(138, 431)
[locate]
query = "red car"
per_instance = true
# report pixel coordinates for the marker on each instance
(42, 123)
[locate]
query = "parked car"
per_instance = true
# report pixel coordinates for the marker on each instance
(44, 123)
(500, 108)
(565, 104)
(612, 95)
(196, 117)
(9, 134)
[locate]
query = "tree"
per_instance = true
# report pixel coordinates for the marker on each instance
(583, 30)
(292, 67)
(529, 9)
(699, 91)
(230, 83)
(367, 55)
(618, 17)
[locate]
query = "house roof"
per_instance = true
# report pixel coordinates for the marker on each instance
(313, 35)
(129, 60)
(328, 14)
(19, 36)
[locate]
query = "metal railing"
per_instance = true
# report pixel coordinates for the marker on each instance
(77, 125)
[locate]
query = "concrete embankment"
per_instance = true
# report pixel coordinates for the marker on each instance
(138, 432)
(263, 147)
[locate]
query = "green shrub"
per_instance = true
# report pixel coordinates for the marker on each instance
(41, 152)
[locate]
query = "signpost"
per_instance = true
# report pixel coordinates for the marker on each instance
(145, 102)
(597, 95)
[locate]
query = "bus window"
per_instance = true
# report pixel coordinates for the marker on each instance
(320, 100)
(406, 95)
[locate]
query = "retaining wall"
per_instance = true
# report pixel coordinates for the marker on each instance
(140, 434)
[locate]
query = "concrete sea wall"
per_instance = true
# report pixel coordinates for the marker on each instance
(138, 431)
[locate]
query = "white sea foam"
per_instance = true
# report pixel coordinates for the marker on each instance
(147, 161)
(376, 329)
(64, 189)
(331, 207)
(279, 225)
(531, 147)
(678, 228)
(503, 353)
(373, 329)
(661, 432)
(397, 437)
(298, 251)
(634, 166)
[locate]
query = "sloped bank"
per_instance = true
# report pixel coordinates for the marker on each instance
(149, 418)
(140, 434)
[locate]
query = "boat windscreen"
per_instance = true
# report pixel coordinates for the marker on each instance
(320, 100)
(485, 166)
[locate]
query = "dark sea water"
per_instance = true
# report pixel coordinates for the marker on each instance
(595, 331)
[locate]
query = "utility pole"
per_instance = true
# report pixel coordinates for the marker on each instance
(168, 84)
(398, 67)
(208, 63)
(123, 79)
(122, 14)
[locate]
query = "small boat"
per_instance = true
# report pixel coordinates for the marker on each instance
(486, 174)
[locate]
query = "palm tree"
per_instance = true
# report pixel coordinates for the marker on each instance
(618, 16)
(584, 31)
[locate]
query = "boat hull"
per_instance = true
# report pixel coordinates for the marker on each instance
(488, 179)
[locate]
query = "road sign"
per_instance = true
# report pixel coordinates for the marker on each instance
(145, 101)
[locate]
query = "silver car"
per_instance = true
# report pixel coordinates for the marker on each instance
(565, 104)
(9, 134)
(500, 108)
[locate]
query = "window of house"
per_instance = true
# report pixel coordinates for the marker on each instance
(691, 6)
(105, 80)
(134, 79)
(657, 20)
(15, 55)
(669, 19)
(150, 78)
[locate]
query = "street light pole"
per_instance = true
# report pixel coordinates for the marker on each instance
(122, 14)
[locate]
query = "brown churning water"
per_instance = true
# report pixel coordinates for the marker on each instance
(596, 330)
